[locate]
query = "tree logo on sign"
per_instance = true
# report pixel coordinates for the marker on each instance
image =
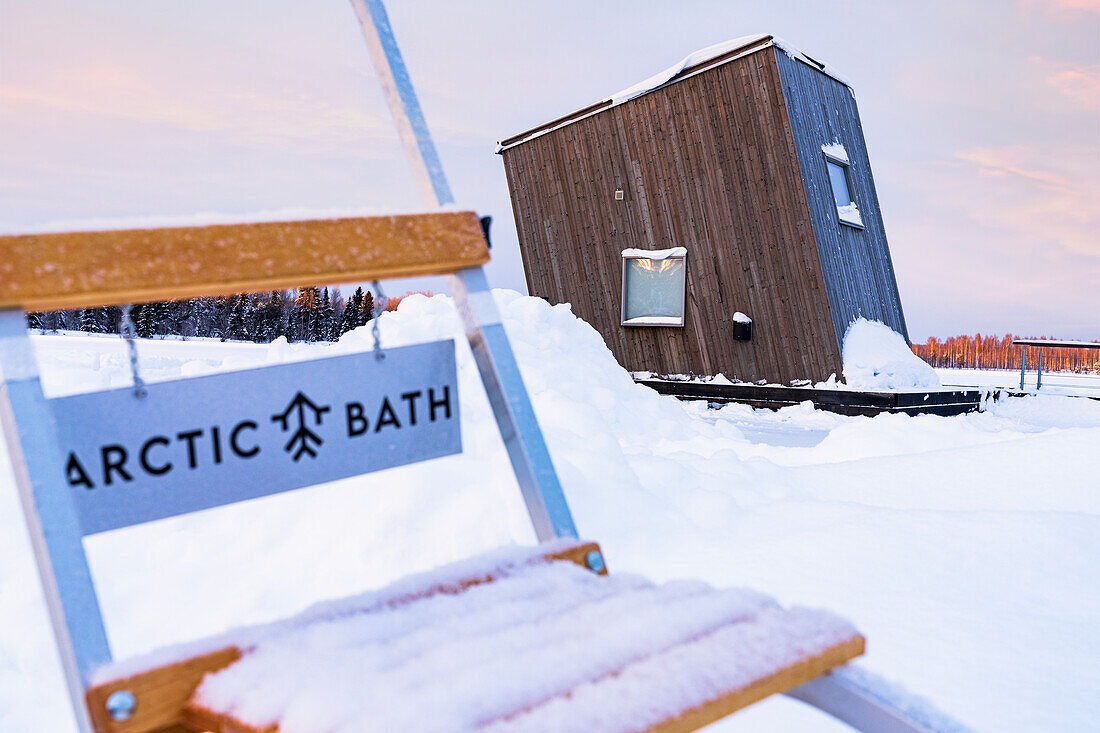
(303, 439)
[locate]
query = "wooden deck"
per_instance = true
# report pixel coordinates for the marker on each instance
(842, 401)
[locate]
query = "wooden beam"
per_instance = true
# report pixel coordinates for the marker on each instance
(89, 269)
(785, 679)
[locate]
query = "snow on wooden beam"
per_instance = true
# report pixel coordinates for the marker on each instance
(91, 269)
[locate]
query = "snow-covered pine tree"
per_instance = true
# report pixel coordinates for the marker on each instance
(161, 313)
(353, 311)
(304, 313)
(321, 328)
(236, 327)
(270, 317)
(112, 319)
(143, 317)
(51, 321)
(35, 321)
(92, 320)
(366, 311)
(252, 318)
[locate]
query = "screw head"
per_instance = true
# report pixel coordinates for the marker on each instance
(121, 705)
(594, 561)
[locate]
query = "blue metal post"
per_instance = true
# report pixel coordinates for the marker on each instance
(404, 105)
(50, 514)
(1039, 376)
(1023, 366)
(523, 439)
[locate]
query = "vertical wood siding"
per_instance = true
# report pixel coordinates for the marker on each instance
(707, 163)
(859, 275)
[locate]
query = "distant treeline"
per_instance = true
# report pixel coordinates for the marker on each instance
(311, 314)
(993, 352)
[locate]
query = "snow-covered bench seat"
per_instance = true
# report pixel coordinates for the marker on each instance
(524, 639)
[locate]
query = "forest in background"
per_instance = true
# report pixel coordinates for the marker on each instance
(310, 314)
(315, 314)
(997, 352)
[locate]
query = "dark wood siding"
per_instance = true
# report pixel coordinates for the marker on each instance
(859, 276)
(707, 163)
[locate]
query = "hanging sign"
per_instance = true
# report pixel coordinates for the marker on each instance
(198, 443)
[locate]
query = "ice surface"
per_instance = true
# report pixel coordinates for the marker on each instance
(877, 358)
(964, 547)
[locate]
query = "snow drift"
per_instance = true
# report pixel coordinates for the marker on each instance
(877, 358)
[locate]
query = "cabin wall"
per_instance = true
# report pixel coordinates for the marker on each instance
(707, 163)
(859, 275)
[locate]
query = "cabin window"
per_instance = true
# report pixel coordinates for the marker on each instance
(846, 210)
(654, 283)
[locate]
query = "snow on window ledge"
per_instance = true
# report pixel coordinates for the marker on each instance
(836, 151)
(654, 321)
(655, 254)
(850, 215)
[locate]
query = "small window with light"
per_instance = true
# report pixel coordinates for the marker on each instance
(836, 162)
(654, 283)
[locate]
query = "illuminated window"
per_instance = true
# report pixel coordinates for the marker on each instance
(653, 287)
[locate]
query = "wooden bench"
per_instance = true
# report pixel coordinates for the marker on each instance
(801, 646)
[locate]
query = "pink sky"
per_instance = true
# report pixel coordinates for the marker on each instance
(982, 119)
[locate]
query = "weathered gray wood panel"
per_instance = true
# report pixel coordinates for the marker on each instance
(708, 163)
(859, 275)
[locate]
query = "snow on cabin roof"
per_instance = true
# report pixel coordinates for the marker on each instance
(694, 62)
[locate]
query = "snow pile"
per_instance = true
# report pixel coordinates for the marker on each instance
(876, 358)
(740, 317)
(522, 644)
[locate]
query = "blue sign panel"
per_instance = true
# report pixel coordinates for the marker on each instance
(198, 443)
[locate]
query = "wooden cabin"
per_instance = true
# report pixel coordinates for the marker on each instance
(720, 217)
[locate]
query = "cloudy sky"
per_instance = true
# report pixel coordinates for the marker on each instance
(982, 120)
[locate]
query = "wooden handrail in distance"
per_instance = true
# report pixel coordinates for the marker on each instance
(92, 269)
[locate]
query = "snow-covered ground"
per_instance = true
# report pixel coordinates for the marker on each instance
(965, 548)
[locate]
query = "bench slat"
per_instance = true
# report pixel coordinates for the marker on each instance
(91, 269)
(163, 692)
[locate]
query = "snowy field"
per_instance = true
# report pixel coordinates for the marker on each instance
(965, 548)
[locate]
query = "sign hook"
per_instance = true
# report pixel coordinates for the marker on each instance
(127, 328)
(378, 303)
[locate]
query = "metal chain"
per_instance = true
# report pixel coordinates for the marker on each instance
(127, 329)
(378, 299)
